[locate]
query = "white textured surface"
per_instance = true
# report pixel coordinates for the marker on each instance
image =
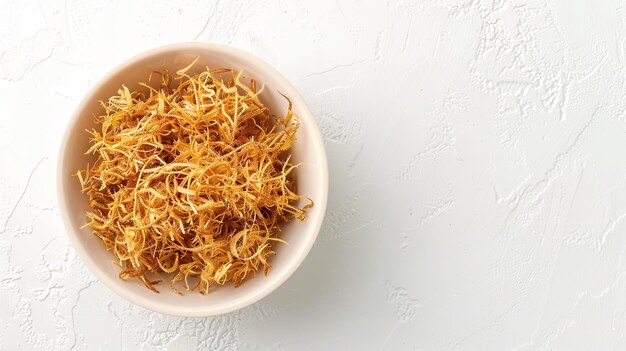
(477, 155)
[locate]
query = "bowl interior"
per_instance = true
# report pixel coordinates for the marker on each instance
(311, 177)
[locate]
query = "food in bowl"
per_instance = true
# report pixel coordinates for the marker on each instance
(193, 179)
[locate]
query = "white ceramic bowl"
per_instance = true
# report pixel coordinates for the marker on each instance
(312, 180)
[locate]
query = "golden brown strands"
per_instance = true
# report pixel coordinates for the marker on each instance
(192, 179)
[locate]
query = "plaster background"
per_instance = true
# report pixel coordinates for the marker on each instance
(476, 152)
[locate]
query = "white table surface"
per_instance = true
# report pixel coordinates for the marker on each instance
(477, 153)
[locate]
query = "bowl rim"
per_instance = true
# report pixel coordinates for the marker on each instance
(128, 294)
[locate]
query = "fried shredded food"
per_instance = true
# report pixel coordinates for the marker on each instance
(192, 179)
